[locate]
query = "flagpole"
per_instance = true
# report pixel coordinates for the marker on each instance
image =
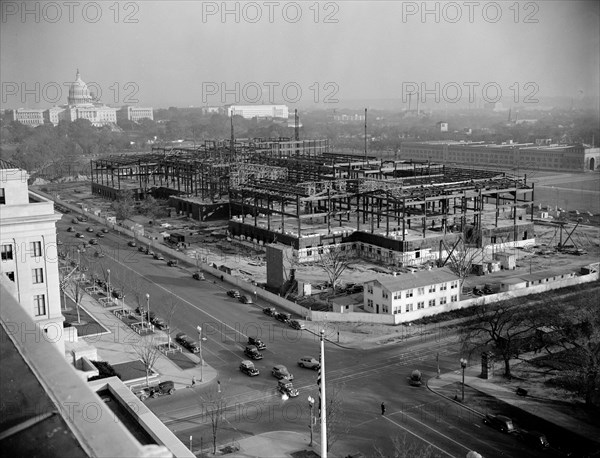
(323, 403)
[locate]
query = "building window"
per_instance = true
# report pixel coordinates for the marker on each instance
(11, 276)
(38, 275)
(431, 302)
(453, 284)
(409, 293)
(432, 289)
(7, 252)
(444, 287)
(370, 289)
(36, 249)
(369, 303)
(39, 305)
(2, 196)
(442, 300)
(421, 291)
(409, 307)
(454, 298)
(420, 305)
(397, 295)
(384, 294)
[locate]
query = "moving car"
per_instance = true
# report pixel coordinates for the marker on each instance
(75, 221)
(100, 235)
(93, 242)
(187, 342)
(104, 230)
(247, 367)
(257, 343)
(233, 293)
(172, 262)
(132, 243)
(285, 387)
(309, 363)
(415, 378)
(252, 352)
(280, 371)
(157, 390)
(270, 311)
(245, 299)
(198, 276)
(90, 229)
(70, 229)
(500, 422)
(295, 324)
(79, 235)
(159, 257)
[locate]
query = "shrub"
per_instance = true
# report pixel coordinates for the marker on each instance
(105, 370)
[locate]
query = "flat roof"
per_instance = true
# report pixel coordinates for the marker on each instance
(416, 280)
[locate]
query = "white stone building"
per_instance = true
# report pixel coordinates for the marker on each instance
(29, 255)
(258, 111)
(413, 294)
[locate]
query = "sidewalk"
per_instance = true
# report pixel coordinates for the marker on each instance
(276, 444)
(116, 346)
(448, 386)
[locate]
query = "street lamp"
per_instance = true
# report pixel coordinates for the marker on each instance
(108, 292)
(463, 364)
(78, 260)
(148, 308)
(311, 404)
(199, 328)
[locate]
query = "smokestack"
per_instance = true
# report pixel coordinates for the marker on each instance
(365, 135)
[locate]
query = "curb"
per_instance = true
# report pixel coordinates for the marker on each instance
(454, 401)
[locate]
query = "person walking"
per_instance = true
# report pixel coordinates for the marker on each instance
(193, 381)
(382, 408)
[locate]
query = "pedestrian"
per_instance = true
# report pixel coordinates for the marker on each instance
(382, 408)
(193, 381)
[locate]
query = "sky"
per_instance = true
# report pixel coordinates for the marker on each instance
(303, 54)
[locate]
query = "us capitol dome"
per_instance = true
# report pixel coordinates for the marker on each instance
(79, 92)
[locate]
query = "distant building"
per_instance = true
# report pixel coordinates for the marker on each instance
(135, 114)
(29, 251)
(258, 111)
(509, 155)
(349, 117)
(443, 125)
(416, 295)
(212, 110)
(31, 118)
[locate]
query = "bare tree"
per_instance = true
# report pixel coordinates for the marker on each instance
(75, 287)
(334, 260)
(214, 406)
(170, 301)
(503, 326)
(148, 352)
(403, 447)
(336, 420)
(461, 257)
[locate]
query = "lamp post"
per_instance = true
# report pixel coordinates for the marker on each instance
(199, 328)
(148, 308)
(463, 364)
(311, 404)
(78, 260)
(108, 293)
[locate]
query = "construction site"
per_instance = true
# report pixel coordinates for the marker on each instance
(298, 193)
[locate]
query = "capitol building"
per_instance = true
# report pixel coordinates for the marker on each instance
(81, 104)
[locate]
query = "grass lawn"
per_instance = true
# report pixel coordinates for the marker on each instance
(87, 326)
(131, 370)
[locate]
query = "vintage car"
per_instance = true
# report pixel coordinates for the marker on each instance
(295, 324)
(187, 342)
(233, 293)
(270, 311)
(285, 387)
(247, 367)
(309, 363)
(280, 371)
(284, 317)
(132, 244)
(500, 422)
(256, 342)
(157, 390)
(198, 276)
(252, 352)
(245, 299)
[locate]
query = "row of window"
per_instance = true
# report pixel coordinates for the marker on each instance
(410, 307)
(35, 249)
(37, 276)
(420, 291)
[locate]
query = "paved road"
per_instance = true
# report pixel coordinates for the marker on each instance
(362, 378)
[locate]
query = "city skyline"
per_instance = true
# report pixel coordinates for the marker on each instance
(323, 54)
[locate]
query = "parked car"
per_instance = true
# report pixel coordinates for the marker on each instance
(98, 254)
(100, 235)
(500, 422)
(283, 317)
(141, 249)
(233, 293)
(280, 371)
(256, 342)
(157, 390)
(270, 311)
(90, 229)
(160, 323)
(252, 352)
(132, 243)
(75, 221)
(172, 262)
(82, 218)
(295, 324)
(141, 311)
(79, 235)
(286, 387)
(93, 242)
(159, 257)
(70, 229)
(187, 342)
(533, 438)
(198, 276)
(245, 299)
(104, 230)
(247, 367)
(309, 363)
(117, 294)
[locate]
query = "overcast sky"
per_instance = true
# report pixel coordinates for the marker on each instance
(160, 54)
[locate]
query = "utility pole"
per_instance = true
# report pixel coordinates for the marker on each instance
(323, 403)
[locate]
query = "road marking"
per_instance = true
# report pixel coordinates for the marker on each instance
(422, 438)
